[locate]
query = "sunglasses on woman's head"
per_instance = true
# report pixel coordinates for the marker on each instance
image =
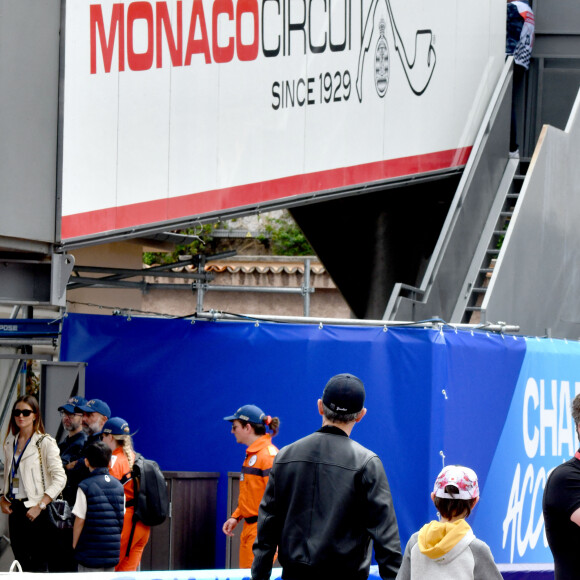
(24, 412)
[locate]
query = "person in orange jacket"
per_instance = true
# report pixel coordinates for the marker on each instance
(249, 425)
(116, 435)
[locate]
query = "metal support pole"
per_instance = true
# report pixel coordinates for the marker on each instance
(201, 285)
(22, 379)
(9, 394)
(306, 287)
(16, 343)
(491, 327)
(263, 289)
(25, 357)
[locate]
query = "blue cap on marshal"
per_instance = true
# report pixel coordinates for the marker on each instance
(249, 413)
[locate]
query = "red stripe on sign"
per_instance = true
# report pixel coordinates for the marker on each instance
(198, 204)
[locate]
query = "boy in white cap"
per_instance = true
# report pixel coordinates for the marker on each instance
(448, 549)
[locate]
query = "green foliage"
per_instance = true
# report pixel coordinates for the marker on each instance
(501, 238)
(151, 258)
(281, 237)
(205, 244)
(285, 238)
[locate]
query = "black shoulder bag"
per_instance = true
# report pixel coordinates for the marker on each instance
(59, 511)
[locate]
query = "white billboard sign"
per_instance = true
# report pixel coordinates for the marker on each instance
(188, 108)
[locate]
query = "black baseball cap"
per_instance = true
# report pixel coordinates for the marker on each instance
(344, 394)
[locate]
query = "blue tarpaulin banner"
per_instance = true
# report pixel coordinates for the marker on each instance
(499, 404)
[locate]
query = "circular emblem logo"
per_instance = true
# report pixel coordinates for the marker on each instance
(252, 460)
(382, 62)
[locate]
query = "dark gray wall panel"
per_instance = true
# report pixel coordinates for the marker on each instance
(559, 88)
(29, 74)
(560, 16)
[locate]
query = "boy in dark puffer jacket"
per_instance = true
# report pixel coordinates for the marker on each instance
(99, 511)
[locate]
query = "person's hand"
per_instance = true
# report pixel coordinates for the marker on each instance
(5, 506)
(229, 526)
(70, 465)
(33, 513)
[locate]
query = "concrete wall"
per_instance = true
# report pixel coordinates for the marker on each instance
(326, 302)
(264, 271)
(117, 255)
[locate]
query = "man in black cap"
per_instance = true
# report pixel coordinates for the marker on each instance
(327, 498)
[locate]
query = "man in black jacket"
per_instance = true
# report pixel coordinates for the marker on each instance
(71, 448)
(327, 498)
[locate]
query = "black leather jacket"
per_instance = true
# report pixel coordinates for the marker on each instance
(326, 499)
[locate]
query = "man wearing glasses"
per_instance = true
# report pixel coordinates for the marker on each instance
(72, 446)
(71, 449)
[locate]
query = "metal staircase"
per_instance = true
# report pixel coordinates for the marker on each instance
(499, 223)
(458, 255)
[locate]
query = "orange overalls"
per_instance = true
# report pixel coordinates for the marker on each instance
(120, 470)
(255, 471)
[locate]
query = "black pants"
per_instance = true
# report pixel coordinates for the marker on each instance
(62, 558)
(32, 542)
(517, 94)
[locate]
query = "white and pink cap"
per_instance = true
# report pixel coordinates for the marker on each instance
(462, 478)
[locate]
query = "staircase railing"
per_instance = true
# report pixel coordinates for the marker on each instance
(466, 217)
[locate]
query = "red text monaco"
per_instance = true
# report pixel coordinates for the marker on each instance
(144, 35)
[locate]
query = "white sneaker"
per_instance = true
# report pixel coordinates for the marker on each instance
(514, 154)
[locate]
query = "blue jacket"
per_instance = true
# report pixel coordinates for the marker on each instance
(99, 545)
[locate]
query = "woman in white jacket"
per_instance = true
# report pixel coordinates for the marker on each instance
(26, 495)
